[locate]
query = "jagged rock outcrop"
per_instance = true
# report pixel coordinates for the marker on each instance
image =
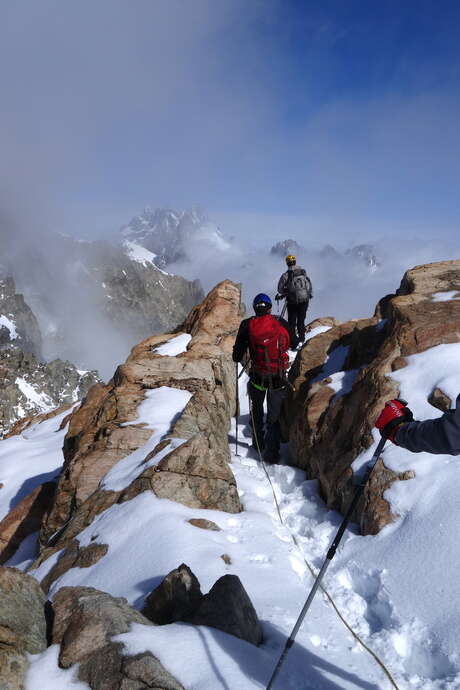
(30, 387)
(285, 247)
(226, 607)
(340, 385)
(85, 620)
(18, 325)
(22, 625)
(194, 470)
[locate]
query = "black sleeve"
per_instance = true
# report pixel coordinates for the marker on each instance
(439, 436)
(241, 342)
(285, 324)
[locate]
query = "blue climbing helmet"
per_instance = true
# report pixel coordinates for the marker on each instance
(261, 300)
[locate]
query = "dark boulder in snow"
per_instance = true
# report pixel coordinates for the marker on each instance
(178, 596)
(228, 607)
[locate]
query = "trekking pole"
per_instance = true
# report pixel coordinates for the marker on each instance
(237, 394)
(328, 559)
(237, 410)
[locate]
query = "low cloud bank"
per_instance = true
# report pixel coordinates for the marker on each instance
(344, 286)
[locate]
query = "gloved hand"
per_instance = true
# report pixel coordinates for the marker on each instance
(278, 297)
(392, 416)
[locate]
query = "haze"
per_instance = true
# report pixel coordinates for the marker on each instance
(322, 121)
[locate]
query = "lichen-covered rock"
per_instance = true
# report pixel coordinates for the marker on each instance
(85, 620)
(327, 431)
(22, 625)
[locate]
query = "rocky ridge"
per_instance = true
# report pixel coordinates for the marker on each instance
(31, 386)
(18, 325)
(188, 465)
(340, 383)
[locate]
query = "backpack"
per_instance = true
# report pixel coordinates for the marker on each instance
(268, 344)
(298, 286)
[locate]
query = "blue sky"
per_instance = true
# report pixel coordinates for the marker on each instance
(331, 118)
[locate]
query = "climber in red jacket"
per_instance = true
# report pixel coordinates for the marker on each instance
(267, 338)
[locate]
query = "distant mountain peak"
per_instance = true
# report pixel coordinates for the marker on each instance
(285, 247)
(168, 234)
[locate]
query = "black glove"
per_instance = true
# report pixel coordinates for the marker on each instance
(278, 297)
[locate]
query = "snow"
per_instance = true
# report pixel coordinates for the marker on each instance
(316, 331)
(445, 296)
(10, 325)
(142, 255)
(333, 364)
(399, 590)
(175, 346)
(45, 666)
(30, 459)
(158, 411)
(41, 400)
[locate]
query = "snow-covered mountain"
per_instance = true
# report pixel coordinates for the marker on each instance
(170, 235)
(146, 486)
(363, 253)
(94, 300)
(29, 385)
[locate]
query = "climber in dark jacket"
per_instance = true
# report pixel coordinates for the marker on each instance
(439, 436)
(295, 286)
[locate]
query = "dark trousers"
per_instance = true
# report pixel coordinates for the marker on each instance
(296, 319)
(275, 396)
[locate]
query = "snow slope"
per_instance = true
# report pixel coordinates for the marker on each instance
(398, 590)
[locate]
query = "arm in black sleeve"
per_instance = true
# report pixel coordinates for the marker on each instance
(241, 342)
(439, 436)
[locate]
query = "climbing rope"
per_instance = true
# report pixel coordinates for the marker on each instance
(329, 598)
